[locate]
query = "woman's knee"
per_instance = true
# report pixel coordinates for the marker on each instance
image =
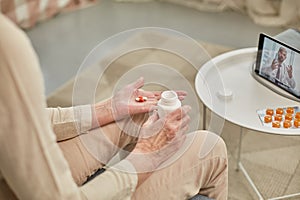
(212, 145)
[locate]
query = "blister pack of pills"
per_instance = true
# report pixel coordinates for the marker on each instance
(286, 117)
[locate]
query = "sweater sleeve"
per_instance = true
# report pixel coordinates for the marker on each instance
(70, 122)
(31, 161)
(117, 182)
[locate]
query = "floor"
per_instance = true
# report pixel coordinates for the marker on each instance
(63, 42)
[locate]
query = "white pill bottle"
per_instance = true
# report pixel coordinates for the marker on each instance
(168, 102)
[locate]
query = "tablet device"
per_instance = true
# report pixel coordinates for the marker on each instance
(278, 63)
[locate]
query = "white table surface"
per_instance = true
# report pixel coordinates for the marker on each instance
(232, 71)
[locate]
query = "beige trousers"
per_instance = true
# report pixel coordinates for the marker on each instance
(198, 169)
(33, 165)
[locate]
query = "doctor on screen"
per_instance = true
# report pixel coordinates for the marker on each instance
(280, 71)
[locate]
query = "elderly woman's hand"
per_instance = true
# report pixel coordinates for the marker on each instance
(159, 140)
(123, 103)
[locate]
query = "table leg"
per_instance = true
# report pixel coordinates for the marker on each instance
(286, 196)
(204, 117)
(239, 149)
(250, 181)
(241, 167)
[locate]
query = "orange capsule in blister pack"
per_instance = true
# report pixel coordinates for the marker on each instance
(279, 111)
(290, 110)
(269, 111)
(288, 116)
(297, 123)
(268, 119)
(276, 124)
(278, 118)
(297, 115)
(287, 124)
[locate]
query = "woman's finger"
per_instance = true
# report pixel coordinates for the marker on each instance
(179, 113)
(172, 146)
(183, 130)
(153, 118)
(148, 94)
(181, 94)
(143, 107)
(185, 121)
(138, 83)
(182, 125)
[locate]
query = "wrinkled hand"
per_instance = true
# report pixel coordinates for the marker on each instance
(160, 139)
(124, 104)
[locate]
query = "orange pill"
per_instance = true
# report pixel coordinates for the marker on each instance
(297, 115)
(297, 123)
(269, 111)
(276, 124)
(288, 116)
(279, 111)
(278, 118)
(287, 124)
(268, 118)
(290, 110)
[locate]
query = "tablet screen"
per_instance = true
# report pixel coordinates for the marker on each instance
(279, 63)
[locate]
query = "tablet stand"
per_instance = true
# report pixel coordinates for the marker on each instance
(290, 37)
(271, 85)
